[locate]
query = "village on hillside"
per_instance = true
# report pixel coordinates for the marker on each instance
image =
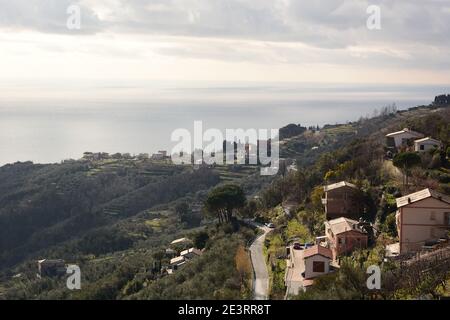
(346, 197)
(422, 222)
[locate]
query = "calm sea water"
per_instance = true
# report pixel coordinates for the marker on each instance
(49, 131)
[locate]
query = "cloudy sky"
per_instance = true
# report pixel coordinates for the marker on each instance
(324, 41)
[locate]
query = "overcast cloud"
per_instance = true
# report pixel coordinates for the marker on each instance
(415, 33)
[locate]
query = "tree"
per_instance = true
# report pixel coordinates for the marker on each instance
(183, 211)
(390, 226)
(250, 209)
(243, 264)
(200, 239)
(405, 161)
(223, 200)
(272, 195)
(316, 198)
(296, 229)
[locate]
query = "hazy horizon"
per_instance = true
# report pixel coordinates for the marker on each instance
(47, 130)
(119, 76)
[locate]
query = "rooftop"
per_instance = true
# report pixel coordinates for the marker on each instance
(405, 130)
(317, 250)
(191, 250)
(341, 225)
(179, 240)
(51, 261)
(339, 185)
(308, 282)
(421, 195)
(427, 139)
(176, 260)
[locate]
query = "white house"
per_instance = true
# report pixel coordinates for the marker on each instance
(317, 261)
(425, 144)
(191, 253)
(400, 138)
(177, 262)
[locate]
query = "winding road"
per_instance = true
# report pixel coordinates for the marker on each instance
(261, 281)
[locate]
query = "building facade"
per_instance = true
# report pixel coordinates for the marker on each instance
(402, 137)
(421, 217)
(344, 236)
(426, 144)
(317, 261)
(342, 199)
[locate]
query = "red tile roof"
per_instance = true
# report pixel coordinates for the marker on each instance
(315, 250)
(308, 282)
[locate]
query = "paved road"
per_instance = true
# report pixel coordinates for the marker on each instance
(261, 281)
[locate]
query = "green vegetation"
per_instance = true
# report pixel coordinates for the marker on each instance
(406, 161)
(116, 217)
(223, 200)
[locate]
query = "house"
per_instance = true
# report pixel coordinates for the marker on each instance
(191, 253)
(421, 217)
(51, 268)
(426, 144)
(177, 262)
(180, 240)
(401, 138)
(342, 199)
(157, 156)
(302, 266)
(344, 236)
(161, 155)
(317, 261)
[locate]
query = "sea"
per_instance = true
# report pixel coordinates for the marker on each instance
(51, 122)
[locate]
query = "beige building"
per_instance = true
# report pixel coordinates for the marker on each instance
(317, 261)
(401, 138)
(426, 144)
(422, 216)
(191, 253)
(177, 262)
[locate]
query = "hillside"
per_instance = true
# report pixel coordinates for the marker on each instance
(116, 217)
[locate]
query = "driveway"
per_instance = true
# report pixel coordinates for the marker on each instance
(295, 268)
(261, 281)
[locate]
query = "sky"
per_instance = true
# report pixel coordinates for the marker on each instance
(126, 42)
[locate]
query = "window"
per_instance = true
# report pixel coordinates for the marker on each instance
(422, 147)
(318, 266)
(447, 218)
(433, 216)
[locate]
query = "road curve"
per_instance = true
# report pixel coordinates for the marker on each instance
(261, 280)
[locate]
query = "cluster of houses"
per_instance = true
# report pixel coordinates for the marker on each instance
(412, 140)
(160, 155)
(423, 223)
(98, 156)
(185, 255)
